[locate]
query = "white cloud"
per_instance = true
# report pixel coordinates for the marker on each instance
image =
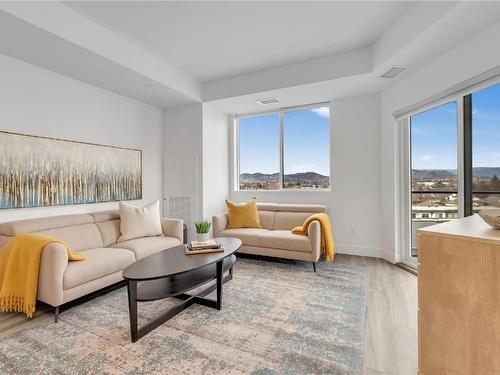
(322, 111)
(426, 158)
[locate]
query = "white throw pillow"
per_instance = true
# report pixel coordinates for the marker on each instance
(139, 222)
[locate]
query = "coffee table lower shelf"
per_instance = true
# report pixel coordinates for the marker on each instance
(176, 287)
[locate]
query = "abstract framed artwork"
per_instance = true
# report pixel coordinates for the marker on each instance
(39, 171)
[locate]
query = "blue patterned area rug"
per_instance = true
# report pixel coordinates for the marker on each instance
(277, 318)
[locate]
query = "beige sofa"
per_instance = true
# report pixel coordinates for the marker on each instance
(94, 235)
(275, 239)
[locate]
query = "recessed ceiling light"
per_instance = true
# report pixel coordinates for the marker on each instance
(394, 71)
(266, 101)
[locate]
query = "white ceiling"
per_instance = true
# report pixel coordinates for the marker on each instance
(213, 40)
(57, 54)
(231, 53)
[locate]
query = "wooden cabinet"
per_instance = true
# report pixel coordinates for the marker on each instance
(459, 298)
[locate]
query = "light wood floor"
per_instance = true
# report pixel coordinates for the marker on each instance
(391, 322)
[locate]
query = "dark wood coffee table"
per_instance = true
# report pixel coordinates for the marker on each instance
(172, 273)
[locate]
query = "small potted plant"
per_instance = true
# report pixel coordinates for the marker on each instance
(202, 229)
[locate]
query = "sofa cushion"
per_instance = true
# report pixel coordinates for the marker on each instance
(249, 236)
(266, 219)
(79, 237)
(312, 208)
(110, 231)
(101, 216)
(290, 220)
(12, 228)
(286, 240)
(98, 263)
(142, 247)
(266, 206)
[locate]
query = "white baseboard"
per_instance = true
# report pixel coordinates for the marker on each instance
(364, 251)
(388, 256)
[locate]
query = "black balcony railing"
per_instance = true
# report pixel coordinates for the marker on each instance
(429, 210)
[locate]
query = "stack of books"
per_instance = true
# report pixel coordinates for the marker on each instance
(212, 246)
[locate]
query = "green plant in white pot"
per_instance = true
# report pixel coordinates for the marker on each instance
(202, 230)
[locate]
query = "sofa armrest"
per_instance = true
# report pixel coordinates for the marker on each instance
(173, 228)
(53, 263)
(314, 234)
(219, 223)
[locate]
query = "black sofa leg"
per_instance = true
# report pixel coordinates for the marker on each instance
(314, 266)
(56, 314)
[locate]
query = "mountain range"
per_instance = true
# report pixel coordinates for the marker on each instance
(417, 175)
(444, 174)
(291, 178)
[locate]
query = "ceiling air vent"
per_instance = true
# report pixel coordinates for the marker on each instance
(267, 101)
(393, 72)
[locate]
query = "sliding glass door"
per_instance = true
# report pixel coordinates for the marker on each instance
(485, 114)
(434, 180)
(454, 161)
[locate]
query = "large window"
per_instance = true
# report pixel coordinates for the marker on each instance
(434, 180)
(485, 114)
(454, 159)
(287, 149)
(306, 140)
(260, 152)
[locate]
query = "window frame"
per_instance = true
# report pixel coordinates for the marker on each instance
(280, 113)
(463, 98)
(409, 258)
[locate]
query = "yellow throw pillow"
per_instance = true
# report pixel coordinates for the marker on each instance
(242, 215)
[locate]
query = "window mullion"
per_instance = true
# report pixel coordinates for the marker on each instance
(236, 154)
(460, 157)
(282, 158)
(467, 155)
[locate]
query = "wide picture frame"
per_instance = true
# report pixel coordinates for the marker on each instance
(38, 171)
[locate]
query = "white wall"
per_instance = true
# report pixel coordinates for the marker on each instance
(354, 201)
(474, 56)
(183, 160)
(215, 161)
(196, 163)
(39, 102)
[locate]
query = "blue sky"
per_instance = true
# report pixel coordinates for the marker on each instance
(434, 134)
(259, 144)
(306, 142)
(434, 138)
(486, 127)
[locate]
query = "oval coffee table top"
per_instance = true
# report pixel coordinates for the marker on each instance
(174, 261)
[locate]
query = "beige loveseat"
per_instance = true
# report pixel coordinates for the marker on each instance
(275, 239)
(94, 235)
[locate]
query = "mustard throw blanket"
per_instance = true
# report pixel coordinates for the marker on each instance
(19, 268)
(327, 244)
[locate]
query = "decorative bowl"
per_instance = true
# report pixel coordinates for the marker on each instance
(491, 217)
